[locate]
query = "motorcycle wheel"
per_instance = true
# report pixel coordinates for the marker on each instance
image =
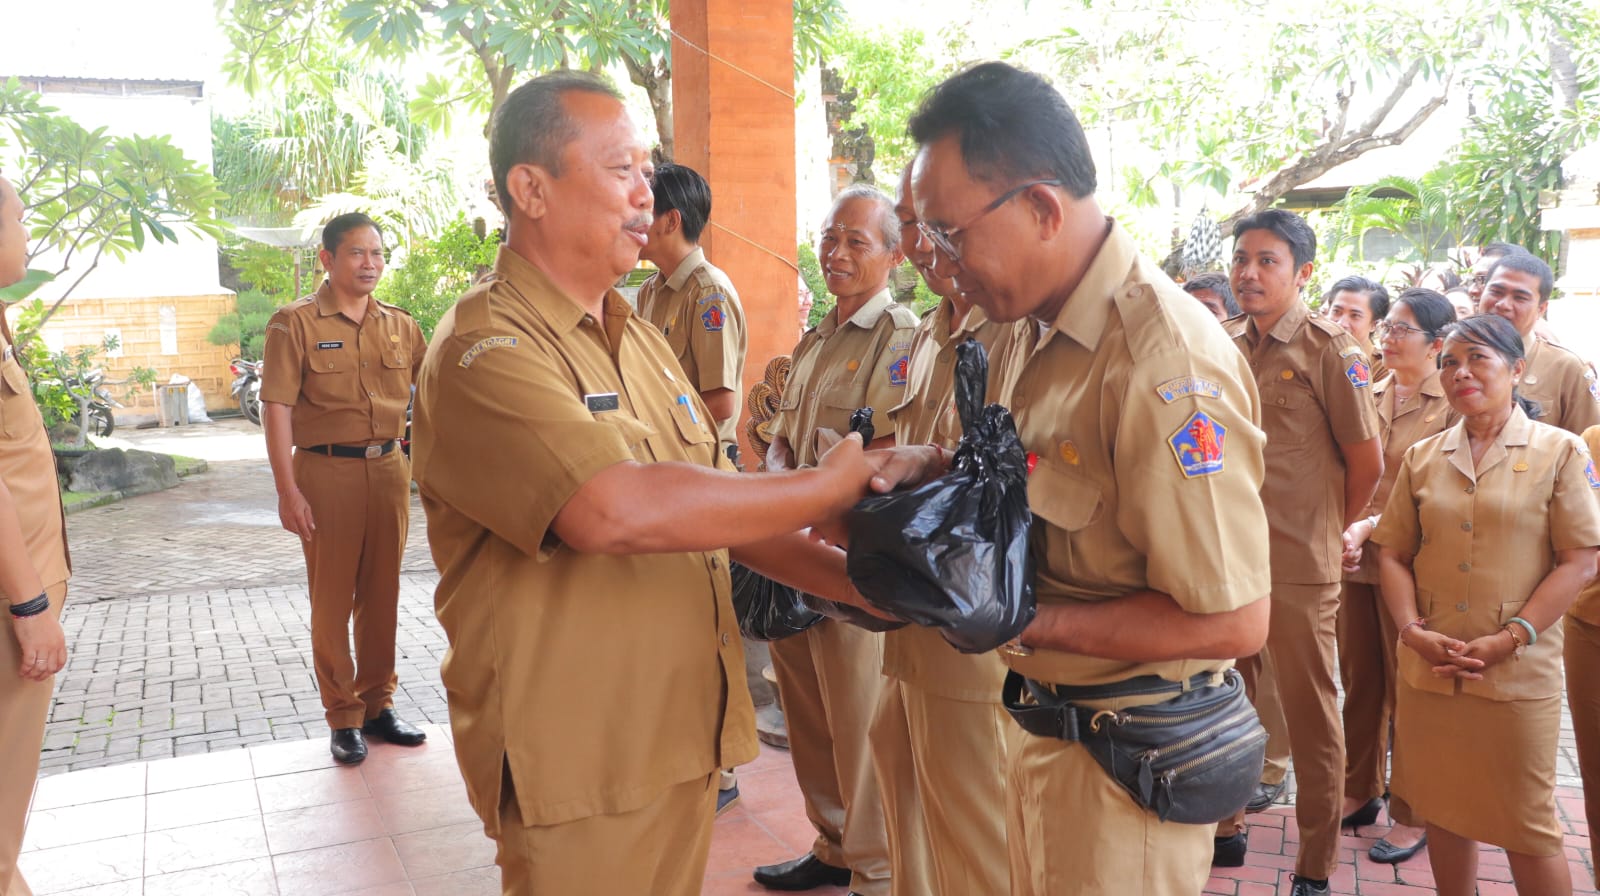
(250, 405)
(101, 420)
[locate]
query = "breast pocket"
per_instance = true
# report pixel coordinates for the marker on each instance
(1284, 414)
(19, 415)
(332, 377)
(1065, 503)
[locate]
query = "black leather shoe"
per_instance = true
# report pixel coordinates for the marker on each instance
(1389, 854)
(1229, 852)
(393, 729)
(1265, 795)
(348, 746)
(1367, 814)
(805, 873)
(1305, 886)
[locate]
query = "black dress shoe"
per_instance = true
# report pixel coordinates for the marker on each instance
(393, 729)
(1305, 886)
(1229, 852)
(1389, 854)
(348, 746)
(805, 873)
(1265, 795)
(1367, 814)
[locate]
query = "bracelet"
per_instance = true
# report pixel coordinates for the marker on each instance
(1533, 633)
(31, 608)
(1419, 622)
(1373, 521)
(938, 454)
(1517, 644)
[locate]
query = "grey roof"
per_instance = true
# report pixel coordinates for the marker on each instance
(132, 40)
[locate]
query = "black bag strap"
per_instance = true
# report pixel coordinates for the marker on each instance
(1047, 717)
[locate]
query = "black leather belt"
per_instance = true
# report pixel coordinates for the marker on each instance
(1054, 714)
(367, 451)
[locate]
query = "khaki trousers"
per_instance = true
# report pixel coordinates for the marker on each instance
(659, 850)
(24, 706)
(1367, 639)
(941, 771)
(1276, 766)
(1072, 831)
(1301, 639)
(1581, 652)
(829, 681)
(361, 509)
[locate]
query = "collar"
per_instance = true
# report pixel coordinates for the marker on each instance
(535, 288)
(866, 317)
(1083, 316)
(1431, 385)
(328, 305)
(686, 267)
(1287, 325)
(1513, 435)
(939, 329)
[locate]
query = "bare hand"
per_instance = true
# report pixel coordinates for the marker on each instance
(294, 512)
(1479, 654)
(1355, 539)
(908, 466)
(44, 646)
(1438, 650)
(779, 456)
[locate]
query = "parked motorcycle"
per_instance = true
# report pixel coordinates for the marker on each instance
(95, 403)
(247, 387)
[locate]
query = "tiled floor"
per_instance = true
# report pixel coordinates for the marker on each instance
(282, 820)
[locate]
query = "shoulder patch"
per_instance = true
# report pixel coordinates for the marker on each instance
(1588, 470)
(278, 325)
(1184, 386)
(898, 369)
(484, 345)
(712, 318)
(1359, 373)
(1352, 350)
(1198, 445)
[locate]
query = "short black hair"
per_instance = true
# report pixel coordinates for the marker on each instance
(1012, 126)
(1491, 250)
(1431, 309)
(1377, 295)
(1500, 336)
(1286, 226)
(1217, 283)
(333, 232)
(681, 189)
(1526, 263)
(532, 125)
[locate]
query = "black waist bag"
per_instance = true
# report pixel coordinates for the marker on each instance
(1193, 759)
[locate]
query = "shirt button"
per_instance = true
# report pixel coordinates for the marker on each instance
(1465, 567)
(1466, 527)
(1471, 489)
(1462, 606)
(372, 394)
(716, 563)
(1280, 401)
(724, 639)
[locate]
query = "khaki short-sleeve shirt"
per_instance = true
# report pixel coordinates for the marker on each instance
(1145, 424)
(1482, 540)
(1316, 394)
(347, 383)
(599, 680)
(1563, 385)
(1402, 424)
(1587, 606)
(840, 366)
(28, 468)
(698, 311)
(917, 654)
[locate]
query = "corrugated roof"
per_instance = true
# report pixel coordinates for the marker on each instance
(169, 40)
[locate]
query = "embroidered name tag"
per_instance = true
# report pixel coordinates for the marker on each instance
(337, 343)
(1184, 386)
(484, 345)
(1198, 445)
(601, 401)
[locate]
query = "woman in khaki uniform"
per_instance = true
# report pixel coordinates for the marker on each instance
(1489, 533)
(1411, 407)
(1581, 654)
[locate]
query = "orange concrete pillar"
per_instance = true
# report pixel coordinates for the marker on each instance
(733, 121)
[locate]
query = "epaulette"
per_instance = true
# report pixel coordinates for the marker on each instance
(903, 316)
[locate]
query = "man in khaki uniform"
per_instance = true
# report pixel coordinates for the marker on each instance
(1518, 289)
(1581, 660)
(938, 737)
(578, 509)
(34, 567)
(691, 301)
(1149, 536)
(1324, 459)
(334, 389)
(829, 678)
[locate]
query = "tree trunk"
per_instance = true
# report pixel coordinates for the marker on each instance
(656, 81)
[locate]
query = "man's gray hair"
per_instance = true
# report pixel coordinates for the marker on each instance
(888, 221)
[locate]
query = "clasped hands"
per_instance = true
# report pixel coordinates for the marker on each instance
(887, 469)
(1454, 658)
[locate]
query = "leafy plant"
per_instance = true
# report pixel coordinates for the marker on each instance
(246, 325)
(437, 271)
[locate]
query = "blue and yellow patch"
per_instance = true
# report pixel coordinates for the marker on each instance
(713, 319)
(1588, 470)
(484, 345)
(898, 369)
(1185, 386)
(1198, 445)
(1359, 373)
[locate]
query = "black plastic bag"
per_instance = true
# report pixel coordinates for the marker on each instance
(767, 610)
(953, 552)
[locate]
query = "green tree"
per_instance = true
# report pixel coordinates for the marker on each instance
(1425, 213)
(437, 271)
(890, 71)
(246, 325)
(87, 194)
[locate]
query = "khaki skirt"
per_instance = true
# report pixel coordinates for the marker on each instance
(1481, 769)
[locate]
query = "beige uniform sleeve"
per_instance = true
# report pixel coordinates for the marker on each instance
(283, 359)
(419, 349)
(1400, 524)
(1580, 402)
(1574, 505)
(1347, 392)
(886, 390)
(717, 340)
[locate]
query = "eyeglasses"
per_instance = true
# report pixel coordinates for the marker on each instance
(943, 238)
(1479, 279)
(1387, 330)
